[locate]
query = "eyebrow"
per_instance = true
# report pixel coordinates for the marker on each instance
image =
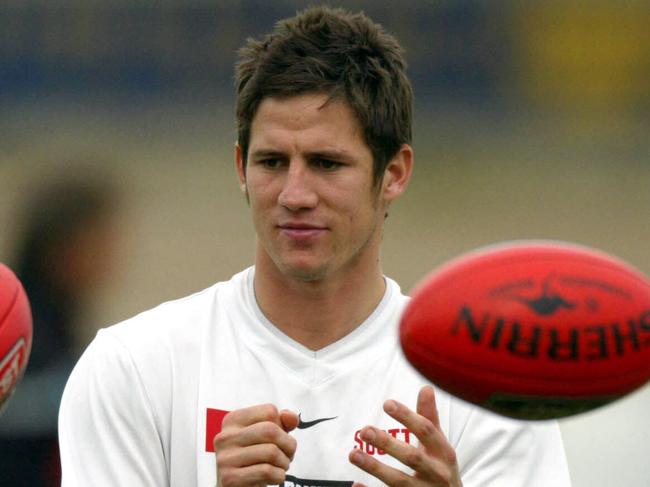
(323, 154)
(265, 153)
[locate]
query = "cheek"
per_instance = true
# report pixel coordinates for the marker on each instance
(363, 216)
(258, 195)
(366, 204)
(258, 213)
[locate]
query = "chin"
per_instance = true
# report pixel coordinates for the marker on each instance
(303, 271)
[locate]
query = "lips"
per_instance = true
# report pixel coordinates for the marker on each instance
(301, 231)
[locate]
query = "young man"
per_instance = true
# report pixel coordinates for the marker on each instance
(291, 373)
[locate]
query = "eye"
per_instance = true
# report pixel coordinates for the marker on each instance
(271, 163)
(327, 164)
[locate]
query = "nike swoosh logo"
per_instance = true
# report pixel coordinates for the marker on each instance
(308, 424)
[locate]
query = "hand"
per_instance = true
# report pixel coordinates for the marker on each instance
(254, 447)
(434, 460)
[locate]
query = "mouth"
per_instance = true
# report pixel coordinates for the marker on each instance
(301, 231)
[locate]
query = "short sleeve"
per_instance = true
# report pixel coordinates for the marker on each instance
(107, 429)
(501, 452)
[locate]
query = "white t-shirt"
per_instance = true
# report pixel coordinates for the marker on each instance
(144, 401)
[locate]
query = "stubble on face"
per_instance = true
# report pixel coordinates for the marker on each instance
(320, 273)
(349, 200)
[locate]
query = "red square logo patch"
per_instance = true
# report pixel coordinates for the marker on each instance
(213, 420)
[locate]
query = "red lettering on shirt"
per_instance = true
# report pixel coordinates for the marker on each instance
(401, 434)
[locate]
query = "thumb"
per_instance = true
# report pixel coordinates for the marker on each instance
(289, 420)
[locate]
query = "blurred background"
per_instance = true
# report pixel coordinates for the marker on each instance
(531, 121)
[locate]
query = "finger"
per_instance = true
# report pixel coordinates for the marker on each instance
(416, 458)
(423, 428)
(383, 472)
(253, 455)
(426, 405)
(255, 434)
(263, 474)
(251, 415)
(289, 420)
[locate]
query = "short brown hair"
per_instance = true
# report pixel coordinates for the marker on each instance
(333, 51)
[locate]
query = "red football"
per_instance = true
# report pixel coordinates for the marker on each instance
(532, 330)
(15, 332)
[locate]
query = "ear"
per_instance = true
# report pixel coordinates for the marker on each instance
(240, 168)
(398, 173)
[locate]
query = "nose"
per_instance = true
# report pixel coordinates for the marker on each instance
(298, 192)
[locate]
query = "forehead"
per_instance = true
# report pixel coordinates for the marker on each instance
(313, 117)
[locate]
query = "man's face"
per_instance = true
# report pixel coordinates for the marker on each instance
(309, 182)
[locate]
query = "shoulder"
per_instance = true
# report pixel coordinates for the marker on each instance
(159, 348)
(180, 322)
(518, 453)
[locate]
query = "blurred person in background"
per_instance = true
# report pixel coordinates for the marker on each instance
(63, 254)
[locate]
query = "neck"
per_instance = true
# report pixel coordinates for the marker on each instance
(317, 313)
